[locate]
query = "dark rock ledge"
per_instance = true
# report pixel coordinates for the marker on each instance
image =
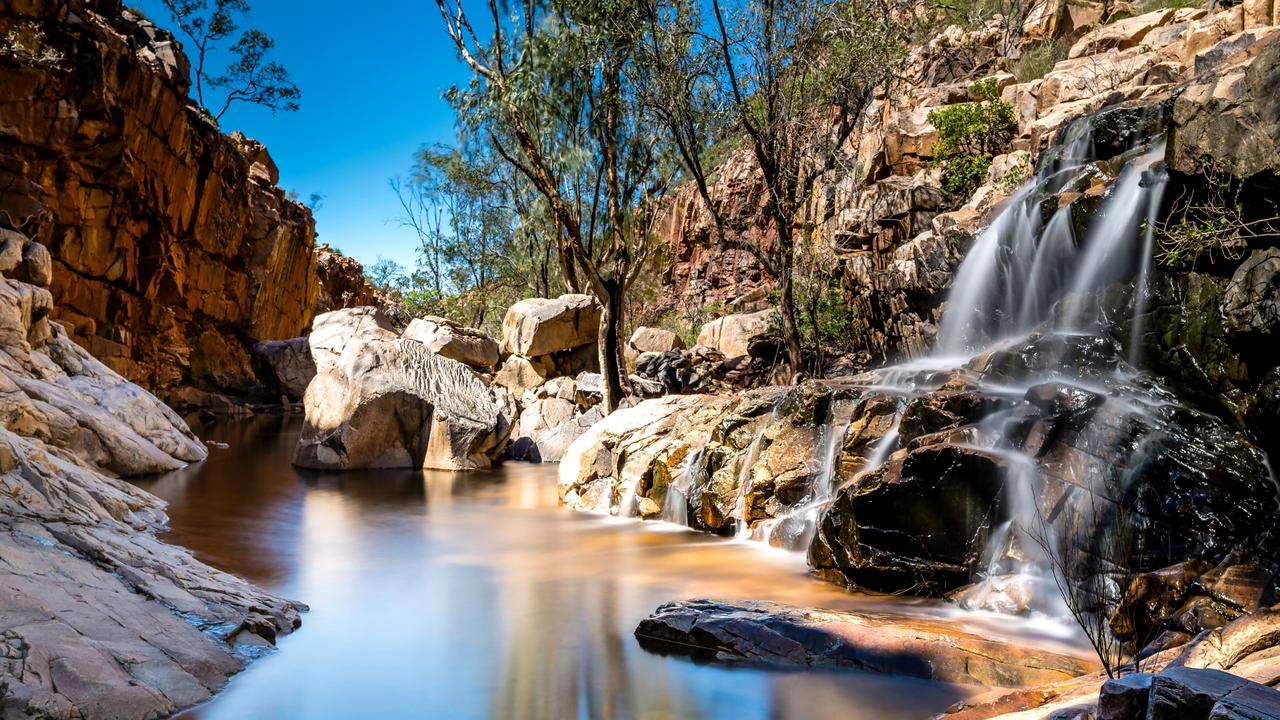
(770, 634)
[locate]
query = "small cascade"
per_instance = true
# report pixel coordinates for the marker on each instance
(675, 507)
(794, 529)
(748, 462)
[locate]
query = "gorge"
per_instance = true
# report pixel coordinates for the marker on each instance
(1022, 470)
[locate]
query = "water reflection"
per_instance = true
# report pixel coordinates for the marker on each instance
(474, 596)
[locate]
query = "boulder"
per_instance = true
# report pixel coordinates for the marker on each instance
(648, 339)
(541, 326)
(520, 373)
(387, 402)
(548, 426)
(1120, 35)
(336, 332)
(449, 339)
(289, 365)
(732, 334)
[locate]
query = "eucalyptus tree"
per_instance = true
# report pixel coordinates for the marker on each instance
(250, 77)
(792, 78)
(557, 89)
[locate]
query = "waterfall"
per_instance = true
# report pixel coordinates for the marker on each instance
(1024, 275)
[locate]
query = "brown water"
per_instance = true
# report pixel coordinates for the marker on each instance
(474, 596)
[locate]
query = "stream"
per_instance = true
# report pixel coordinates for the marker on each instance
(475, 596)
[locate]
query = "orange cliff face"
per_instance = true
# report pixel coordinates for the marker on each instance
(174, 248)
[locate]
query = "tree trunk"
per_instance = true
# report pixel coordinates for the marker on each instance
(790, 331)
(610, 345)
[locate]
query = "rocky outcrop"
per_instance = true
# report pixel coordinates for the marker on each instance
(100, 618)
(379, 400)
(342, 283)
(1230, 672)
(756, 633)
(1229, 115)
(173, 248)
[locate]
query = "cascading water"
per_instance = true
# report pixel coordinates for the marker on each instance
(1022, 276)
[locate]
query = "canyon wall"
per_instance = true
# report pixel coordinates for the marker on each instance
(174, 249)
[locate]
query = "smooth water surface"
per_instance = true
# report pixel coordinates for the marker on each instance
(474, 596)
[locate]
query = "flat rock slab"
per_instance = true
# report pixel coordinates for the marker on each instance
(771, 634)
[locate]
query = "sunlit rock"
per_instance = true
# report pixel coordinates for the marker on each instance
(380, 401)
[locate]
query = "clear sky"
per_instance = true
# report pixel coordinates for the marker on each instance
(372, 75)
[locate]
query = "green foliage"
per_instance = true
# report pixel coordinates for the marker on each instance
(249, 77)
(965, 173)
(970, 134)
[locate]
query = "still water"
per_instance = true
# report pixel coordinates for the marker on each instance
(441, 595)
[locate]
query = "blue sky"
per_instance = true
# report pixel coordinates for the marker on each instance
(372, 75)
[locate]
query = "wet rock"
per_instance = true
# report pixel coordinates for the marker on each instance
(770, 634)
(541, 326)
(451, 340)
(1182, 693)
(1251, 302)
(1125, 698)
(909, 526)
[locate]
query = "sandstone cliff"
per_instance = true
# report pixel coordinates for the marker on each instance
(174, 249)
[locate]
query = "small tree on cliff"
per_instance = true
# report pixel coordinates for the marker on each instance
(793, 77)
(249, 77)
(557, 90)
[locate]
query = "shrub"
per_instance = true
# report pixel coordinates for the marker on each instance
(970, 134)
(1214, 223)
(1038, 58)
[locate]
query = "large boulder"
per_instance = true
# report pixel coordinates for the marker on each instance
(732, 334)
(541, 326)
(449, 339)
(650, 339)
(388, 402)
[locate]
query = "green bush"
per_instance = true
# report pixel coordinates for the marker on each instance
(970, 134)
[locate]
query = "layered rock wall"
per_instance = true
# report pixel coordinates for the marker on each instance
(173, 247)
(98, 618)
